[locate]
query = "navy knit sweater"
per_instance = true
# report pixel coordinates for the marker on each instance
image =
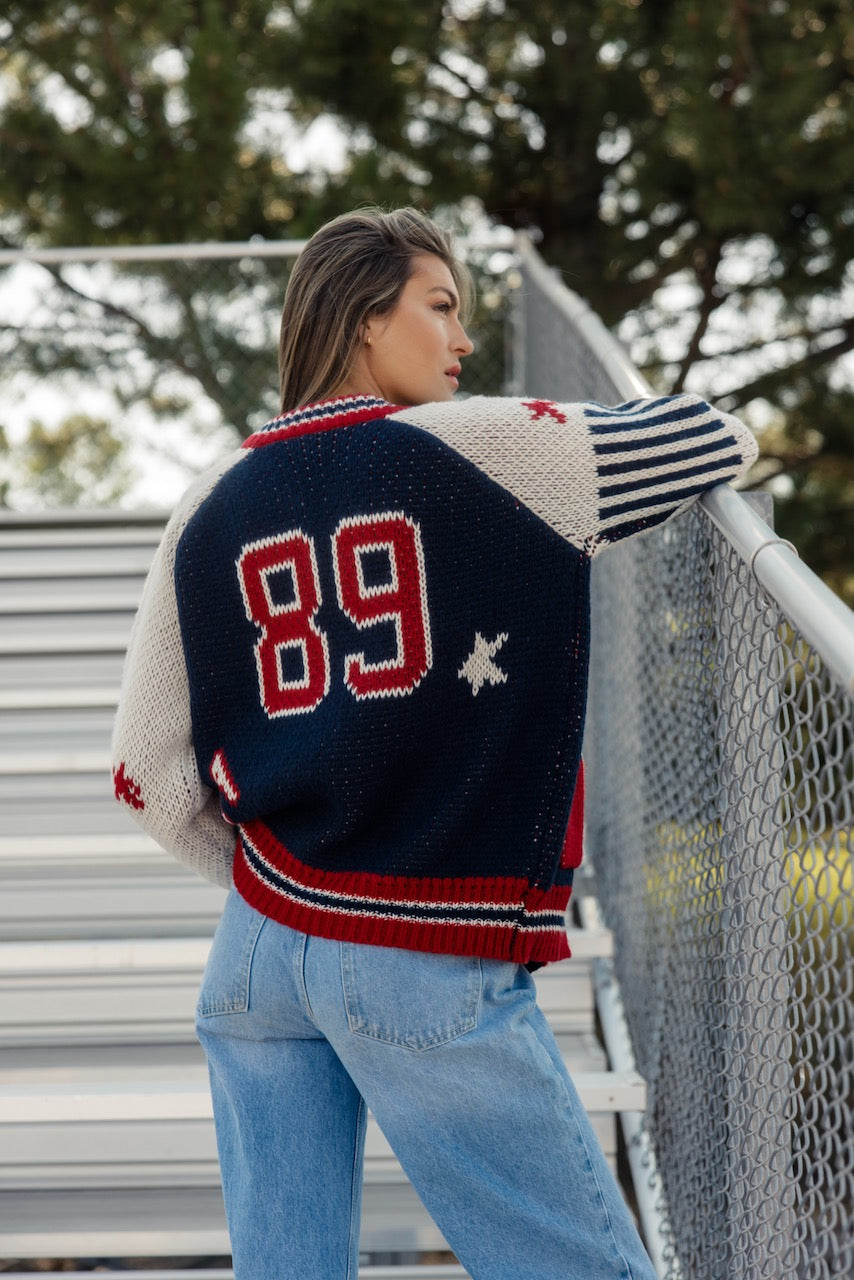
(358, 677)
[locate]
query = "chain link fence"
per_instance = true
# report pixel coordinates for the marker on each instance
(720, 766)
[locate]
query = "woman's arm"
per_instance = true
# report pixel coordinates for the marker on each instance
(596, 474)
(155, 774)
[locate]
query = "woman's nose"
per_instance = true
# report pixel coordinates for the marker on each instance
(464, 344)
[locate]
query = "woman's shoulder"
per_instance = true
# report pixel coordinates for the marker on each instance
(545, 408)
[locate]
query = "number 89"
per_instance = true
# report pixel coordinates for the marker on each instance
(401, 600)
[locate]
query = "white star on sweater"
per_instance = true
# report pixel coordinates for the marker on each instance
(479, 667)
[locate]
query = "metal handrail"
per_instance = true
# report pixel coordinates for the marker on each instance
(258, 248)
(153, 252)
(821, 617)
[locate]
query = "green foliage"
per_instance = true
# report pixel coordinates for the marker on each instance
(79, 463)
(813, 448)
(687, 872)
(123, 124)
(688, 894)
(822, 879)
(5, 458)
(821, 931)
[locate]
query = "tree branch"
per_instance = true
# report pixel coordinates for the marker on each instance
(707, 279)
(768, 381)
(114, 62)
(203, 374)
(793, 335)
(474, 94)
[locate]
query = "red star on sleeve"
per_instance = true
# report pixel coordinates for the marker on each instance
(544, 408)
(126, 789)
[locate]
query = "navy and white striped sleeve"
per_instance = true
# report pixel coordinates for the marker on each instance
(654, 457)
(596, 474)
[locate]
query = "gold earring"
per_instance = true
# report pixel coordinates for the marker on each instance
(368, 340)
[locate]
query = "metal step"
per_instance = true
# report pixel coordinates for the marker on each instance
(183, 1222)
(97, 849)
(106, 1136)
(111, 992)
(35, 557)
(148, 1132)
(66, 633)
(30, 679)
(80, 758)
(31, 596)
(38, 730)
(150, 896)
(131, 1170)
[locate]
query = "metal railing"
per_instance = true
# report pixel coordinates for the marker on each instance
(174, 345)
(720, 765)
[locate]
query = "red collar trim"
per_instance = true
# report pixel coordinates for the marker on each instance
(326, 415)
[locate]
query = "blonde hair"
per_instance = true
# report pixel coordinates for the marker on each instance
(354, 267)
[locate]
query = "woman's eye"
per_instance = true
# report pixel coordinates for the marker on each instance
(444, 307)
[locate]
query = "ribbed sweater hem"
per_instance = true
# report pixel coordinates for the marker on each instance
(493, 917)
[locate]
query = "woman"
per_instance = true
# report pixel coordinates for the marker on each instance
(355, 693)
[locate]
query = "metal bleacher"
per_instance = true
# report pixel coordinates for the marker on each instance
(106, 1139)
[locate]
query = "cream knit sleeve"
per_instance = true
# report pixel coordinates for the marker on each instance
(596, 474)
(155, 774)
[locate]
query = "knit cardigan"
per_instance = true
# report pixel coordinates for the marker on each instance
(356, 682)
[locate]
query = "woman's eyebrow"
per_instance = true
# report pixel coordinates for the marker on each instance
(440, 288)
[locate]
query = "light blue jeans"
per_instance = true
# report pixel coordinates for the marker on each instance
(462, 1073)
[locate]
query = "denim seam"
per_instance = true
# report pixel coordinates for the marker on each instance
(625, 1267)
(243, 976)
(355, 1199)
(299, 975)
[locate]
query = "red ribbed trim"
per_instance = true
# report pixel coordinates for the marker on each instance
(337, 417)
(348, 923)
(554, 899)
(481, 889)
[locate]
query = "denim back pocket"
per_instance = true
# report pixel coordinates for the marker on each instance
(410, 998)
(225, 984)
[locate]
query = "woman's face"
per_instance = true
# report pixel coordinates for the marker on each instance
(412, 355)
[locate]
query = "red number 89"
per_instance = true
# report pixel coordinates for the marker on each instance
(402, 600)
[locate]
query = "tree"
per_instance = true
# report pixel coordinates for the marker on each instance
(80, 462)
(687, 166)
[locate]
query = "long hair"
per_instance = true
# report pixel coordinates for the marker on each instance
(353, 268)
